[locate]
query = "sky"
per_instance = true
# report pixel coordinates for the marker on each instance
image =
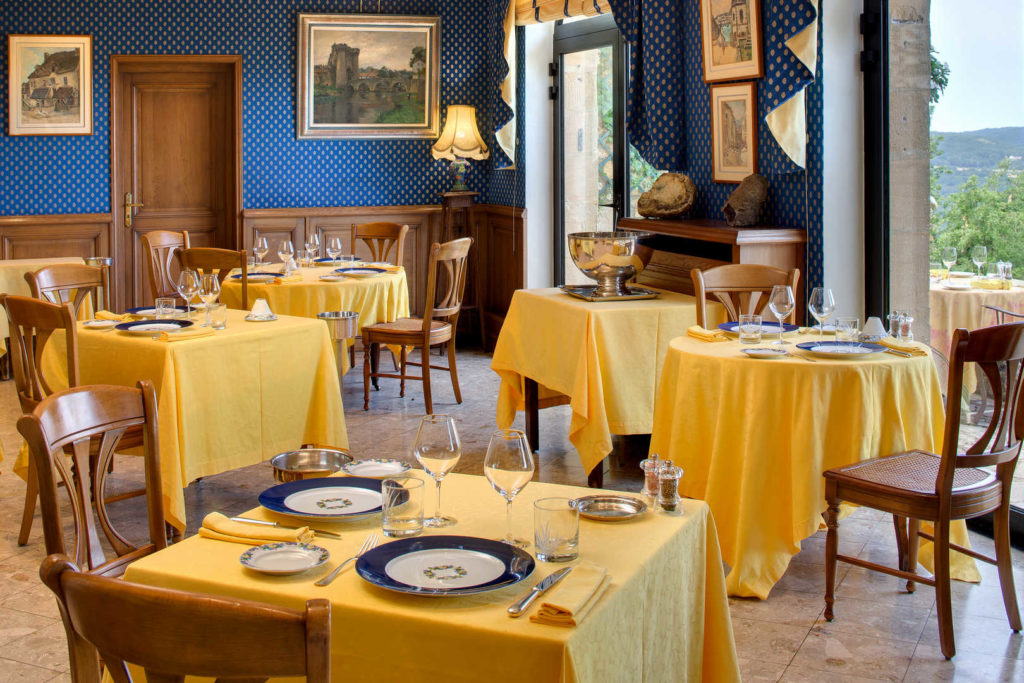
(983, 43)
(376, 49)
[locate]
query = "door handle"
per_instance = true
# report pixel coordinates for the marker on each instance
(129, 205)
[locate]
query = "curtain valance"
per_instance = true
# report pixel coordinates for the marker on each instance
(540, 11)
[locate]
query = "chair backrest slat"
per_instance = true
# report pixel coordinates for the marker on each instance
(32, 324)
(221, 261)
(385, 240)
(446, 281)
(70, 283)
(741, 288)
(162, 263)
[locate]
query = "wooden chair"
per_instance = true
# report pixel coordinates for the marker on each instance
(437, 326)
(171, 633)
(735, 285)
(72, 421)
(916, 485)
(161, 246)
(385, 240)
(70, 283)
(221, 261)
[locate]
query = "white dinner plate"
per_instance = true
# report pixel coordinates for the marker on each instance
(765, 352)
(445, 568)
(284, 558)
(262, 278)
(100, 324)
(333, 278)
(841, 350)
(375, 468)
(334, 500)
(956, 286)
(149, 329)
(960, 274)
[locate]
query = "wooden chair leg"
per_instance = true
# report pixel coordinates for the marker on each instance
(367, 354)
(425, 359)
(401, 370)
(454, 372)
(831, 550)
(1004, 560)
(900, 524)
(31, 496)
(943, 601)
(374, 365)
(913, 545)
(351, 352)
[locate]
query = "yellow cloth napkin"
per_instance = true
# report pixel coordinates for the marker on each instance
(107, 315)
(573, 597)
(186, 334)
(280, 280)
(905, 347)
(698, 332)
(990, 284)
(220, 528)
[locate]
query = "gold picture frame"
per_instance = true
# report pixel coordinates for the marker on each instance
(731, 39)
(733, 131)
(365, 76)
(49, 84)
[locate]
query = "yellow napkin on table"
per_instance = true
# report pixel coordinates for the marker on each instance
(573, 597)
(280, 280)
(107, 315)
(220, 528)
(990, 284)
(905, 347)
(698, 332)
(186, 334)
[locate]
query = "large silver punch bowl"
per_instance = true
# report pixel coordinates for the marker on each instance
(608, 257)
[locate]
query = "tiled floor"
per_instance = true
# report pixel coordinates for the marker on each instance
(879, 633)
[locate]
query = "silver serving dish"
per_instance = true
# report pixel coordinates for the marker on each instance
(610, 258)
(610, 508)
(587, 293)
(308, 463)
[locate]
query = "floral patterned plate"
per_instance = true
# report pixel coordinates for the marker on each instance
(284, 558)
(336, 500)
(444, 565)
(375, 468)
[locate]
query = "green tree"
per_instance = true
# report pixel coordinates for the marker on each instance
(939, 76)
(418, 60)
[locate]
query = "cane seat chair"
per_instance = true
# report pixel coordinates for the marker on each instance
(221, 261)
(161, 263)
(446, 283)
(70, 283)
(918, 486)
(386, 241)
(742, 288)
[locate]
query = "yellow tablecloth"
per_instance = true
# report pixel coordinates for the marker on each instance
(234, 399)
(664, 618)
(12, 281)
(605, 356)
(754, 437)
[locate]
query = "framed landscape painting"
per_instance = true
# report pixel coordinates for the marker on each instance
(733, 132)
(368, 76)
(731, 39)
(49, 85)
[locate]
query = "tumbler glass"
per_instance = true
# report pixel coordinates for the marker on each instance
(165, 307)
(556, 529)
(402, 507)
(749, 329)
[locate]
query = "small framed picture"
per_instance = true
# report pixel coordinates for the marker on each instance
(49, 85)
(733, 131)
(731, 39)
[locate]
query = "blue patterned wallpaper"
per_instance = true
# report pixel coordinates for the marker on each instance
(278, 169)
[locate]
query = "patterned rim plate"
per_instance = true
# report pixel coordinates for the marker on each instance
(100, 324)
(366, 271)
(335, 499)
(327, 260)
(765, 352)
(256, 273)
(375, 468)
(840, 349)
(284, 558)
(333, 278)
(445, 565)
(150, 312)
(767, 327)
(150, 327)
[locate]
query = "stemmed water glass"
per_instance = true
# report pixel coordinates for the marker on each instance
(979, 254)
(948, 258)
(286, 251)
(209, 290)
(313, 246)
(821, 305)
(261, 248)
(509, 467)
(188, 286)
(781, 302)
(334, 248)
(437, 449)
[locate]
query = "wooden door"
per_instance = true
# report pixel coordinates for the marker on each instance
(175, 156)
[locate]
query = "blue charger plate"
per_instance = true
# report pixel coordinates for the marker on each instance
(445, 566)
(767, 327)
(840, 349)
(238, 276)
(329, 498)
(361, 270)
(328, 259)
(150, 310)
(133, 325)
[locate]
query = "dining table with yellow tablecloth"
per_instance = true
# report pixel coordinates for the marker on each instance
(227, 400)
(604, 356)
(754, 437)
(665, 616)
(12, 281)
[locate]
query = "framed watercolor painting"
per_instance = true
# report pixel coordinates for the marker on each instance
(49, 85)
(731, 39)
(733, 132)
(368, 76)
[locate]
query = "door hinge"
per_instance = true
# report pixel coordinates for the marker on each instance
(553, 92)
(552, 68)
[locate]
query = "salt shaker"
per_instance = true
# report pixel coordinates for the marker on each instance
(651, 466)
(894, 324)
(668, 487)
(906, 327)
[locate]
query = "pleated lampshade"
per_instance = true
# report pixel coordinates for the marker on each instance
(460, 137)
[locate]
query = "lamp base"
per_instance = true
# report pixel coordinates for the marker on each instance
(458, 170)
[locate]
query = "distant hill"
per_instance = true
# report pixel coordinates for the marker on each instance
(977, 152)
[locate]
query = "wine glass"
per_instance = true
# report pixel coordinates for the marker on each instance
(437, 449)
(821, 305)
(313, 246)
(509, 467)
(286, 251)
(188, 286)
(781, 302)
(209, 290)
(261, 248)
(948, 258)
(334, 248)
(979, 254)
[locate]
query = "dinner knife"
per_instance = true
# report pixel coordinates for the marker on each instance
(521, 605)
(899, 353)
(282, 526)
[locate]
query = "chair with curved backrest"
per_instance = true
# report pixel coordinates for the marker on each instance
(160, 247)
(742, 288)
(209, 259)
(71, 283)
(93, 419)
(916, 485)
(33, 322)
(172, 633)
(385, 240)
(446, 282)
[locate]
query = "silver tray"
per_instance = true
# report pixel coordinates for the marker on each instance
(586, 292)
(610, 508)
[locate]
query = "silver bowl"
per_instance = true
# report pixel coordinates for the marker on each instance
(610, 258)
(308, 463)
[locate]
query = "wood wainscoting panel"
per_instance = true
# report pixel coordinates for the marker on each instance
(82, 234)
(502, 251)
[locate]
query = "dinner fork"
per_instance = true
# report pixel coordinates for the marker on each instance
(800, 355)
(369, 544)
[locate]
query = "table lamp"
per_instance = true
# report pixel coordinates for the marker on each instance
(460, 140)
